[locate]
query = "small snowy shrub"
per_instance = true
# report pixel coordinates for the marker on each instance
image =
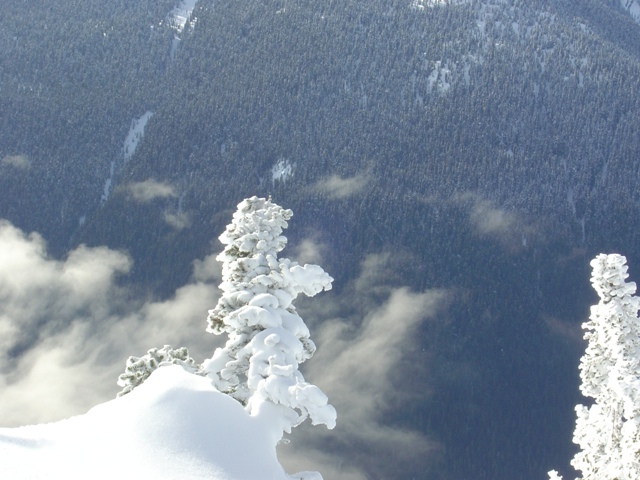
(608, 432)
(138, 369)
(258, 366)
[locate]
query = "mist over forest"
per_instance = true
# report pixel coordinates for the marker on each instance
(454, 166)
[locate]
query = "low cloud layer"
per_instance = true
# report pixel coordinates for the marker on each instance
(365, 363)
(492, 221)
(362, 371)
(67, 328)
(309, 251)
(150, 190)
(16, 161)
(337, 188)
(179, 220)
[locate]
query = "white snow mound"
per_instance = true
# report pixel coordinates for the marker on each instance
(173, 426)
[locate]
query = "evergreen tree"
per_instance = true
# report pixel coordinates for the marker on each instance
(138, 369)
(608, 432)
(258, 366)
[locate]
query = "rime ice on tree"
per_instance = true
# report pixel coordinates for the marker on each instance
(138, 369)
(608, 432)
(258, 366)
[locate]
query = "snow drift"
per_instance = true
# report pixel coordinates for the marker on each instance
(174, 426)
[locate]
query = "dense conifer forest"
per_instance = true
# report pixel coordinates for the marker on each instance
(485, 147)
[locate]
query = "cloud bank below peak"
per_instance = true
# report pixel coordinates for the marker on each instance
(67, 327)
(338, 188)
(369, 362)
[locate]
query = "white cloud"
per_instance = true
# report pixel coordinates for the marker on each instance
(17, 161)
(37, 294)
(509, 228)
(150, 190)
(330, 465)
(361, 364)
(570, 331)
(208, 269)
(179, 220)
(490, 220)
(67, 328)
(337, 188)
(309, 251)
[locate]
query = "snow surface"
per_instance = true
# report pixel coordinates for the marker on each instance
(179, 15)
(281, 170)
(178, 18)
(106, 191)
(173, 426)
(633, 6)
(136, 132)
(421, 4)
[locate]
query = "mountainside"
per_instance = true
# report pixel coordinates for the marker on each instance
(488, 148)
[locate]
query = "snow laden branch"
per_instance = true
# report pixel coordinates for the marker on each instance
(268, 340)
(608, 432)
(138, 369)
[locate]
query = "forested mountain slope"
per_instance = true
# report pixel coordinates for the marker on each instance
(486, 147)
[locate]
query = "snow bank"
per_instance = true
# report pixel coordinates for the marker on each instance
(175, 425)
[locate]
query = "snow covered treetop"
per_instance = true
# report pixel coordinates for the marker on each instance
(608, 431)
(609, 275)
(612, 356)
(251, 272)
(258, 366)
(256, 227)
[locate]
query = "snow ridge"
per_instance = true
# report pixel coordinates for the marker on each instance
(175, 425)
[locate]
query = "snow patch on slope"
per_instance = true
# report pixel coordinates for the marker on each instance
(181, 14)
(282, 170)
(502, 27)
(175, 425)
(136, 132)
(178, 18)
(633, 7)
(421, 4)
(106, 191)
(440, 78)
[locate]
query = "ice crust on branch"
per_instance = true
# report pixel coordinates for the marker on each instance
(258, 366)
(608, 432)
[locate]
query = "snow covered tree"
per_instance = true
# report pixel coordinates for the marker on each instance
(608, 432)
(138, 369)
(268, 340)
